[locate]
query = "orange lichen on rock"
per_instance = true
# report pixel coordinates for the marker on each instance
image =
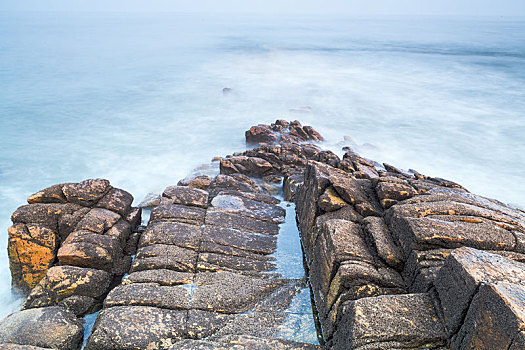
(31, 250)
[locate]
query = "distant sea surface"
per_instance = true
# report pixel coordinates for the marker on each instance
(137, 99)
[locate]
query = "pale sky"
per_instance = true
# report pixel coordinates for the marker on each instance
(351, 7)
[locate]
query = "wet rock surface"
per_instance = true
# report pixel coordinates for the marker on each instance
(203, 271)
(396, 259)
(49, 327)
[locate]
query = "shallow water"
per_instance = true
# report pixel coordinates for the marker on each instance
(137, 99)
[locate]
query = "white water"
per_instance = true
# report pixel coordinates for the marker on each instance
(137, 99)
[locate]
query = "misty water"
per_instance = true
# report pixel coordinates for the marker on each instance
(137, 99)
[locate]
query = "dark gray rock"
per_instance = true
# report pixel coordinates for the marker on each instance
(185, 195)
(149, 294)
(162, 256)
(65, 282)
(162, 277)
(178, 213)
(495, 318)
(230, 293)
(464, 270)
(48, 327)
(383, 242)
(389, 322)
(246, 207)
(171, 233)
(137, 327)
(239, 222)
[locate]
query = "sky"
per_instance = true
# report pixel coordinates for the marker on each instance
(351, 7)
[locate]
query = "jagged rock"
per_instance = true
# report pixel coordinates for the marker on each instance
(495, 319)
(49, 327)
(185, 195)
(56, 216)
(65, 282)
(464, 270)
(389, 322)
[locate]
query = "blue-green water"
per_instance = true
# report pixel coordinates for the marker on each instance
(138, 98)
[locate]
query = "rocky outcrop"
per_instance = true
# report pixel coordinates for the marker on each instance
(84, 224)
(67, 248)
(396, 259)
(202, 276)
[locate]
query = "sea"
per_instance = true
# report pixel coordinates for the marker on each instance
(138, 98)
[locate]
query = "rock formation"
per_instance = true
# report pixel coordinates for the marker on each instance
(395, 259)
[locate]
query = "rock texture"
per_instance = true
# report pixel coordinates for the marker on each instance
(396, 259)
(67, 248)
(380, 248)
(202, 276)
(49, 327)
(84, 224)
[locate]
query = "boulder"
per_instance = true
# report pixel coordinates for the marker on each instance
(459, 279)
(495, 318)
(48, 327)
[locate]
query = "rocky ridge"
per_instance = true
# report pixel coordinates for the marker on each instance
(396, 259)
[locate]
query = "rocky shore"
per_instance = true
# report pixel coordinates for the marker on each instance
(395, 259)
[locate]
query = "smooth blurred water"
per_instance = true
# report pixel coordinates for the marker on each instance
(137, 99)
